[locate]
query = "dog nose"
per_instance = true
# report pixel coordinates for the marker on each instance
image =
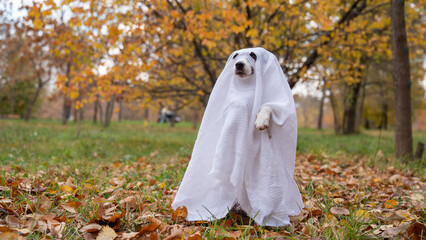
(239, 65)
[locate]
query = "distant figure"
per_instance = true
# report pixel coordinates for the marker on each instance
(166, 115)
(163, 117)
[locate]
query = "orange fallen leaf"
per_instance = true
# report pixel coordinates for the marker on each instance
(195, 236)
(10, 236)
(149, 228)
(417, 231)
(151, 180)
(180, 214)
(389, 204)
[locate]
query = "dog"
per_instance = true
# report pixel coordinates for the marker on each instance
(244, 69)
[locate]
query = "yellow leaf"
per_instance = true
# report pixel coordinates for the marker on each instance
(162, 185)
(389, 204)
(38, 24)
(362, 215)
(66, 189)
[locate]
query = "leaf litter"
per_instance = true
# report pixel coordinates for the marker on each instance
(132, 200)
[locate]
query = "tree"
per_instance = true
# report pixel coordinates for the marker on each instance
(402, 83)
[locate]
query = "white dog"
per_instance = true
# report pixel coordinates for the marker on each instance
(235, 165)
(244, 69)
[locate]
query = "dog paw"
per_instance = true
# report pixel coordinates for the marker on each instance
(263, 118)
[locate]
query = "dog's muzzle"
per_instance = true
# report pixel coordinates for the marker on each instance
(239, 68)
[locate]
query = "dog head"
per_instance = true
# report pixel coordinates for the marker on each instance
(244, 64)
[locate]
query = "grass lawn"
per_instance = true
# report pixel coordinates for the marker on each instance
(124, 177)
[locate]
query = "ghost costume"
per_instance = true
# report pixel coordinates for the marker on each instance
(235, 163)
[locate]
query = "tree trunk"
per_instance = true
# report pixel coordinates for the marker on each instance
(95, 110)
(75, 114)
(350, 109)
(360, 108)
(402, 83)
(32, 103)
(79, 111)
(384, 118)
(100, 111)
(336, 117)
(420, 150)
(120, 111)
(12, 101)
(194, 118)
(109, 111)
(66, 110)
(146, 114)
(321, 110)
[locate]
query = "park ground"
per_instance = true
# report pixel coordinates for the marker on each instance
(119, 182)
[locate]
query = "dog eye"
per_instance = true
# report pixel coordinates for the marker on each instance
(235, 56)
(253, 56)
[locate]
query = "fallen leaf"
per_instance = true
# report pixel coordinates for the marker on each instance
(391, 232)
(12, 221)
(417, 197)
(10, 236)
(339, 211)
(149, 228)
(106, 233)
(178, 234)
(180, 214)
(151, 181)
(68, 208)
(362, 215)
(315, 212)
(195, 236)
(93, 227)
(66, 189)
(389, 204)
(417, 231)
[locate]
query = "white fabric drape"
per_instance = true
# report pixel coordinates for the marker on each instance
(233, 162)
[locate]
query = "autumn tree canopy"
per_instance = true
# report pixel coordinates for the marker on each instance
(110, 50)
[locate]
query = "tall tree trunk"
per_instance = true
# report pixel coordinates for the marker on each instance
(32, 103)
(321, 109)
(402, 83)
(360, 107)
(350, 109)
(75, 114)
(384, 118)
(146, 114)
(336, 117)
(100, 111)
(109, 111)
(79, 111)
(95, 110)
(195, 118)
(12, 100)
(66, 110)
(120, 110)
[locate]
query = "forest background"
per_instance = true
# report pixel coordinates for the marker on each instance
(128, 59)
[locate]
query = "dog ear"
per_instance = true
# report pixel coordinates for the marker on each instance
(253, 55)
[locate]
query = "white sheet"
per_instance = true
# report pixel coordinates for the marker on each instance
(233, 162)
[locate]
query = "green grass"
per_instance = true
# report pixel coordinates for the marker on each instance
(42, 143)
(149, 162)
